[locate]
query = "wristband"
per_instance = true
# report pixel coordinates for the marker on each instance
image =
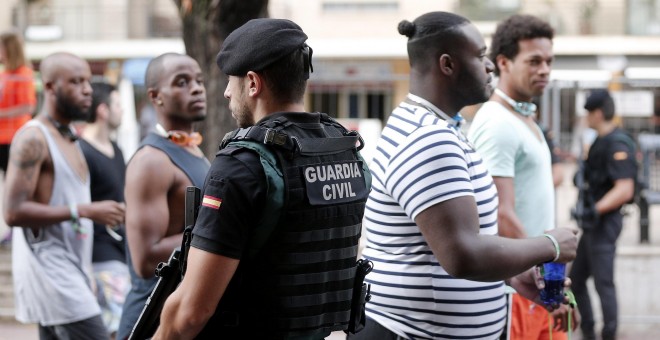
(75, 217)
(571, 298)
(554, 243)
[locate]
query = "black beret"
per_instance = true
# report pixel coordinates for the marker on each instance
(597, 99)
(257, 44)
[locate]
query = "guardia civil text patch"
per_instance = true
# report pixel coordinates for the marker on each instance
(332, 183)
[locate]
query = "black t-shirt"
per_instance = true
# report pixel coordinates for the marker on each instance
(611, 157)
(107, 177)
(549, 139)
(233, 199)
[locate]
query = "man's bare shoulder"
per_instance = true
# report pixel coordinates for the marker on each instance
(151, 168)
(29, 147)
(150, 161)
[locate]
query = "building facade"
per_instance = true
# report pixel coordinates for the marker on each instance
(361, 68)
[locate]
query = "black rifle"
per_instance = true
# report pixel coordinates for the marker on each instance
(170, 274)
(578, 211)
(584, 212)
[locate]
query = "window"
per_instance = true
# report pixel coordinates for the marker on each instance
(359, 6)
(353, 105)
(326, 102)
(643, 17)
(376, 105)
(488, 10)
(351, 101)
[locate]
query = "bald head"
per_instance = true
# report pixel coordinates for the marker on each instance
(156, 69)
(56, 64)
(67, 90)
(175, 86)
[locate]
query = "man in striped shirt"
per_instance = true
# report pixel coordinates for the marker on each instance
(431, 217)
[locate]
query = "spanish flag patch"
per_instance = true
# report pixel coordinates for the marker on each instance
(211, 202)
(620, 155)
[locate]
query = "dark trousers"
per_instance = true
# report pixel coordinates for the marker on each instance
(88, 329)
(373, 330)
(595, 257)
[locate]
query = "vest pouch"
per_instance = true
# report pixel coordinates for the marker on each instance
(358, 310)
(361, 295)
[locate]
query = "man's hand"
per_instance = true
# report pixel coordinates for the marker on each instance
(561, 315)
(529, 285)
(568, 242)
(104, 212)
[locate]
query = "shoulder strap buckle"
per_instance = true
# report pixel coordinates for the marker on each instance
(227, 138)
(238, 134)
(267, 136)
(360, 140)
(243, 133)
(273, 137)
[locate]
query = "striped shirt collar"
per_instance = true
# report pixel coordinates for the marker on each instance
(454, 122)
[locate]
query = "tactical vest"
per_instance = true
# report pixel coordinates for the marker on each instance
(297, 275)
(597, 179)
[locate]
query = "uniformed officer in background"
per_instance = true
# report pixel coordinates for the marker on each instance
(609, 175)
(274, 248)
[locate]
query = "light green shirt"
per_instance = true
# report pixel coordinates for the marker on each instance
(510, 148)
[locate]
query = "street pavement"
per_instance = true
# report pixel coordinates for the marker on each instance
(637, 276)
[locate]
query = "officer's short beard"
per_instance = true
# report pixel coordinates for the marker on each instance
(244, 117)
(66, 107)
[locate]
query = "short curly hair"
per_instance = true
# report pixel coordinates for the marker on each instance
(510, 31)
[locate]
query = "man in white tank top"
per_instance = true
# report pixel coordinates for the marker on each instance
(48, 201)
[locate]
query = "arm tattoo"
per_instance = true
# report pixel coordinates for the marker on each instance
(28, 153)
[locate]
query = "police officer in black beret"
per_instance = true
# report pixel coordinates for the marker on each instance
(274, 250)
(610, 172)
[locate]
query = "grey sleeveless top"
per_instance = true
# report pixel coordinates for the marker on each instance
(52, 270)
(195, 168)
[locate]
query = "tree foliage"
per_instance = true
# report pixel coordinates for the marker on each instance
(206, 23)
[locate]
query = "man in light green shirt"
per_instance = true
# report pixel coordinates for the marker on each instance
(516, 154)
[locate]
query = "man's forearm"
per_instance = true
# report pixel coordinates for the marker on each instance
(33, 215)
(508, 225)
(491, 258)
(157, 253)
(162, 250)
(178, 321)
(16, 110)
(621, 193)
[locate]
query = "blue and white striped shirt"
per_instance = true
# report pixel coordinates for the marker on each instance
(421, 161)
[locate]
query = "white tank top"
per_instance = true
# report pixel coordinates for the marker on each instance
(52, 271)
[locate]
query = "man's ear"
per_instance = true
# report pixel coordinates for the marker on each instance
(103, 111)
(254, 84)
(153, 97)
(446, 64)
(49, 86)
(502, 63)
